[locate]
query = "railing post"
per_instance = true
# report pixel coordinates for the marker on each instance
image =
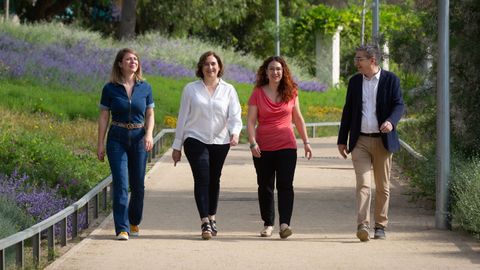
(36, 249)
(63, 232)
(2, 259)
(19, 250)
(104, 198)
(51, 242)
(95, 206)
(75, 224)
(111, 191)
(87, 220)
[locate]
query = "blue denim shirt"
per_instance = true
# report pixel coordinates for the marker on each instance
(115, 99)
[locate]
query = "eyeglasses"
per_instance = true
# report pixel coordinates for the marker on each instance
(274, 69)
(359, 59)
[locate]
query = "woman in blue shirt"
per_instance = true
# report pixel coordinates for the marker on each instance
(129, 101)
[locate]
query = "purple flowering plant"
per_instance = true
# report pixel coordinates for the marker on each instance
(40, 202)
(83, 66)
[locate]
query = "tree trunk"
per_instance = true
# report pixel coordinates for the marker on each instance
(126, 28)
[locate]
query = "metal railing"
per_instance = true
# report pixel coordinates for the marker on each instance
(405, 146)
(89, 200)
(34, 232)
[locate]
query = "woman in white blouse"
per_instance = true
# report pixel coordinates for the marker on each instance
(209, 122)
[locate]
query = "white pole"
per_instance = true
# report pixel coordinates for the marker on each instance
(363, 22)
(376, 22)
(277, 30)
(443, 118)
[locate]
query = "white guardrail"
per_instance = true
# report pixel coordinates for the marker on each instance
(92, 200)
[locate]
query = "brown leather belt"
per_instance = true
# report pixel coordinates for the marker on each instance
(127, 125)
(371, 134)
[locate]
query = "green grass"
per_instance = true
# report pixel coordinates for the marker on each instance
(69, 104)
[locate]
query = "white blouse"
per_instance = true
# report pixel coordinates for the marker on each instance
(209, 119)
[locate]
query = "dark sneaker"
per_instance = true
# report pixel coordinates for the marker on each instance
(206, 231)
(362, 233)
(213, 225)
(379, 233)
(286, 232)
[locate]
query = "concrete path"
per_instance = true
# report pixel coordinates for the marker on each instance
(323, 223)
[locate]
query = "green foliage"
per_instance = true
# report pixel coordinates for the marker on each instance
(50, 151)
(466, 194)
(464, 61)
(47, 160)
(65, 104)
(13, 218)
(399, 25)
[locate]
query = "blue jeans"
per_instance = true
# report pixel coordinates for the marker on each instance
(206, 162)
(128, 159)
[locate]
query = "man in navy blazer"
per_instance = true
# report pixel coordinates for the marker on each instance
(373, 108)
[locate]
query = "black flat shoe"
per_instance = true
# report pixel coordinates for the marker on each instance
(206, 231)
(213, 225)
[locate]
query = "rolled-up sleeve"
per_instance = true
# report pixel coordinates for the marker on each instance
(149, 100)
(182, 118)
(105, 100)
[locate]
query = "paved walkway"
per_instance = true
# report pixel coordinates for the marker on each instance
(323, 223)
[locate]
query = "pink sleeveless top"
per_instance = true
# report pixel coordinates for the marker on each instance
(274, 130)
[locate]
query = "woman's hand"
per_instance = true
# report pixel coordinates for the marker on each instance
(176, 156)
(255, 150)
(148, 141)
(308, 150)
(101, 152)
(233, 140)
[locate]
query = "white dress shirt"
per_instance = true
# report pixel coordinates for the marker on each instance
(369, 104)
(209, 119)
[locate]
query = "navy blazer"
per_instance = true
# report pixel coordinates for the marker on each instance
(389, 107)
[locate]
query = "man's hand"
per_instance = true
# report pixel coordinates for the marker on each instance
(386, 127)
(343, 150)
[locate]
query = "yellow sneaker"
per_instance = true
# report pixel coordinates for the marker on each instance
(134, 230)
(122, 236)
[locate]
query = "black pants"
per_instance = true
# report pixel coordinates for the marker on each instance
(280, 165)
(206, 162)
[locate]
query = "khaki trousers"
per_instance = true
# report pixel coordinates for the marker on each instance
(369, 153)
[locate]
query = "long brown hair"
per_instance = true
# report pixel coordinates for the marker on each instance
(116, 76)
(287, 87)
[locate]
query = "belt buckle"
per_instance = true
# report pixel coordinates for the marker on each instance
(130, 126)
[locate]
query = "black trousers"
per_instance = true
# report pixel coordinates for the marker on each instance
(206, 162)
(279, 165)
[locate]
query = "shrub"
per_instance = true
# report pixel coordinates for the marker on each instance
(46, 159)
(38, 201)
(466, 194)
(14, 218)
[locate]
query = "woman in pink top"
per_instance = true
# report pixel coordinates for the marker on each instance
(274, 106)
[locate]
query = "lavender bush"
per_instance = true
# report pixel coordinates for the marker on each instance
(40, 202)
(79, 59)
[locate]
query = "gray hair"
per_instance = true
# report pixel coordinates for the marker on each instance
(372, 51)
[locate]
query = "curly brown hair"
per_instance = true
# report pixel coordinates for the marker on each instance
(202, 60)
(287, 87)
